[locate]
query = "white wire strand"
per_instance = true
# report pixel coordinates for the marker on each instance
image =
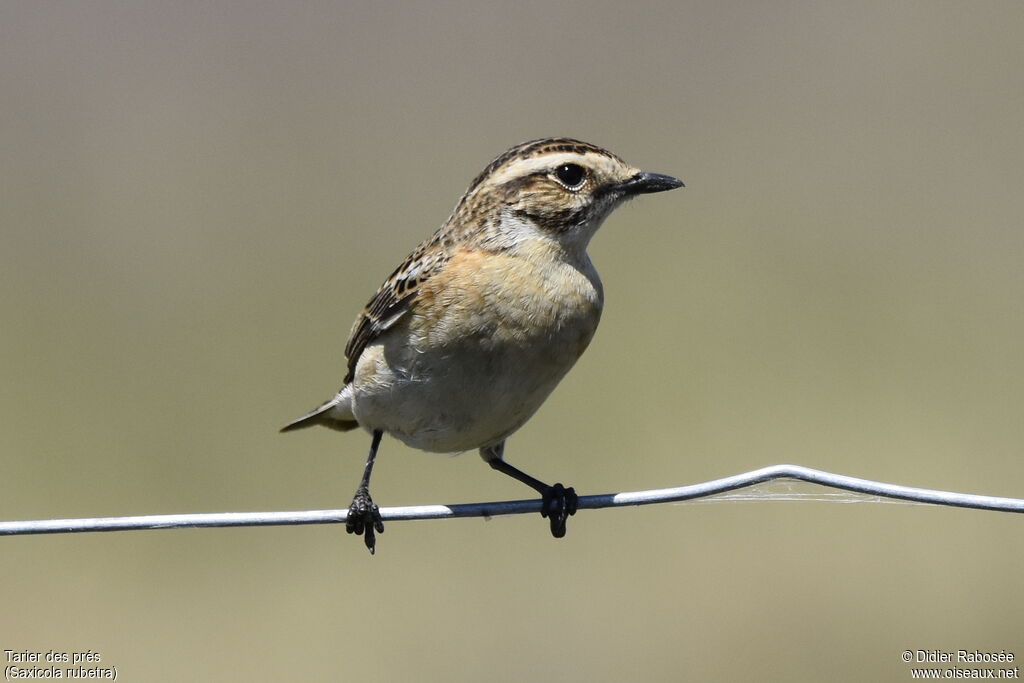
(515, 507)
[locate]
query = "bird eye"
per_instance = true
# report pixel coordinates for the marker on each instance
(571, 175)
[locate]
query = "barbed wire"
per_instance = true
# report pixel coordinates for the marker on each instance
(701, 491)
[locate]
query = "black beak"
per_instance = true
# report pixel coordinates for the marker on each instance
(645, 183)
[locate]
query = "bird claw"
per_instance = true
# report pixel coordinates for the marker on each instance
(364, 518)
(558, 504)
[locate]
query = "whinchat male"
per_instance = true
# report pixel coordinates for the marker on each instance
(465, 340)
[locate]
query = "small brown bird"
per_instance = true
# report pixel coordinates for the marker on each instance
(464, 341)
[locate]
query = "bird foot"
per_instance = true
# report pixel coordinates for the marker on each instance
(364, 518)
(558, 504)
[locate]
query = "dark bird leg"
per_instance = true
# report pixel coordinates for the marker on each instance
(363, 516)
(558, 503)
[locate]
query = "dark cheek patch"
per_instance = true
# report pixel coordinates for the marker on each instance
(554, 220)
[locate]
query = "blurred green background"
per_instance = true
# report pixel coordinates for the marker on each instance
(197, 198)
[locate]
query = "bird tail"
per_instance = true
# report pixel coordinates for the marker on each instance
(335, 414)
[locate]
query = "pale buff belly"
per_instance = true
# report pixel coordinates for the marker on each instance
(489, 339)
(463, 396)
